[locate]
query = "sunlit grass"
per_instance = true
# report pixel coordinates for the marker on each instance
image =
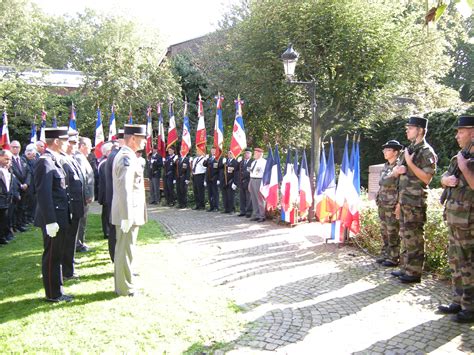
(177, 310)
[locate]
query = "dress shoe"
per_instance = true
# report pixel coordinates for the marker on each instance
(62, 298)
(134, 294)
(195, 208)
(389, 263)
(407, 279)
(72, 277)
(261, 220)
(380, 260)
(3, 241)
(82, 249)
(10, 237)
(451, 308)
(464, 316)
(20, 229)
(254, 219)
(248, 215)
(397, 273)
(241, 215)
(216, 210)
(210, 210)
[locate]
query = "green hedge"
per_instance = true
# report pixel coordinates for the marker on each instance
(436, 234)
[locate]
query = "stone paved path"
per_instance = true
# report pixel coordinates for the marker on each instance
(302, 296)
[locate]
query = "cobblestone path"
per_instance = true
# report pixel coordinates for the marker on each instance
(302, 296)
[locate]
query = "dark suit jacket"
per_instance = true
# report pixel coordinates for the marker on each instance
(184, 169)
(75, 185)
(156, 163)
(51, 192)
(102, 198)
(109, 189)
(23, 173)
(212, 165)
(6, 195)
(244, 174)
(228, 172)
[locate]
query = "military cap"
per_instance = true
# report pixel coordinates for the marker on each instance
(57, 132)
(418, 122)
(73, 136)
(135, 129)
(248, 150)
(258, 150)
(465, 121)
(120, 134)
(393, 144)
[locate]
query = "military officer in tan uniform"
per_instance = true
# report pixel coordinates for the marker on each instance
(459, 213)
(128, 206)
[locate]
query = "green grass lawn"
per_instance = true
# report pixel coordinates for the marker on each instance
(176, 312)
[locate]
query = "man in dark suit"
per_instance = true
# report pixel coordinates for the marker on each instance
(229, 170)
(6, 195)
(212, 180)
(75, 182)
(101, 198)
(52, 212)
(170, 176)
(155, 165)
(109, 190)
(30, 159)
(243, 184)
(21, 172)
(183, 179)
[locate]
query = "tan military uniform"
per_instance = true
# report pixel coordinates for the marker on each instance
(412, 198)
(128, 203)
(459, 214)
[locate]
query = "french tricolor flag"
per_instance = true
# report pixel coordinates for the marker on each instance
(43, 126)
(267, 175)
(33, 137)
(172, 131)
(306, 196)
(99, 136)
(239, 138)
(112, 125)
(201, 128)
(186, 138)
(273, 197)
(5, 135)
(161, 132)
(149, 131)
(219, 127)
(72, 121)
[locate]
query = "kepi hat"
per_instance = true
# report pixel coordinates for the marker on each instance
(465, 121)
(418, 122)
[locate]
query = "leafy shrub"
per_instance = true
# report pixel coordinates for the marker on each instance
(436, 234)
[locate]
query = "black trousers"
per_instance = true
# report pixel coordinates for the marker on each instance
(245, 201)
(70, 248)
(182, 192)
(51, 263)
(4, 224)
(229, 198)
(169, 191)
(112, 241)
(105, 220)
(198, 188)
(213, 193)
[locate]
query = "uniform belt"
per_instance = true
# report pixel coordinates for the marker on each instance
(259, 178)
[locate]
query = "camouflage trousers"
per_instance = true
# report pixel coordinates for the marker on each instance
(412, 234)
(461, 263)
(389, 228)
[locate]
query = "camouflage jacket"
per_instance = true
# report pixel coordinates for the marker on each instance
(458, 208)
(388, 192)
(411, 190)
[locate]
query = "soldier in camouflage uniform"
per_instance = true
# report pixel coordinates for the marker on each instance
(386, 199)
(459, 214)
(415, 173)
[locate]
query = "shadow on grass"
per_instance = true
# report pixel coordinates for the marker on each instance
(15, 310)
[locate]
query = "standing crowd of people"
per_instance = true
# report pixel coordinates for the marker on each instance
(222, 176)
(402, 206)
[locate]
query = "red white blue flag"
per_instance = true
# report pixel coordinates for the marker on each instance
(112, 125)
(186, 138)
(219, 127)
(72, 120)
(273, 197)
(43, 125)
(267, 175)
(289, 191)
(201, 128)
(306, 195)
(5, 135)
(130, 117)
(325, 194)
(99, 136)
(149, 132)
(161, 132)
(33, 137)
(172, 131)
(350, 211)
(239, 139)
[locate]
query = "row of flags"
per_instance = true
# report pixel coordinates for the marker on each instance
(238, 141)
(293, 193)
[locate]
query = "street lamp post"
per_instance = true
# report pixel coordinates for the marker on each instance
(290, 58)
